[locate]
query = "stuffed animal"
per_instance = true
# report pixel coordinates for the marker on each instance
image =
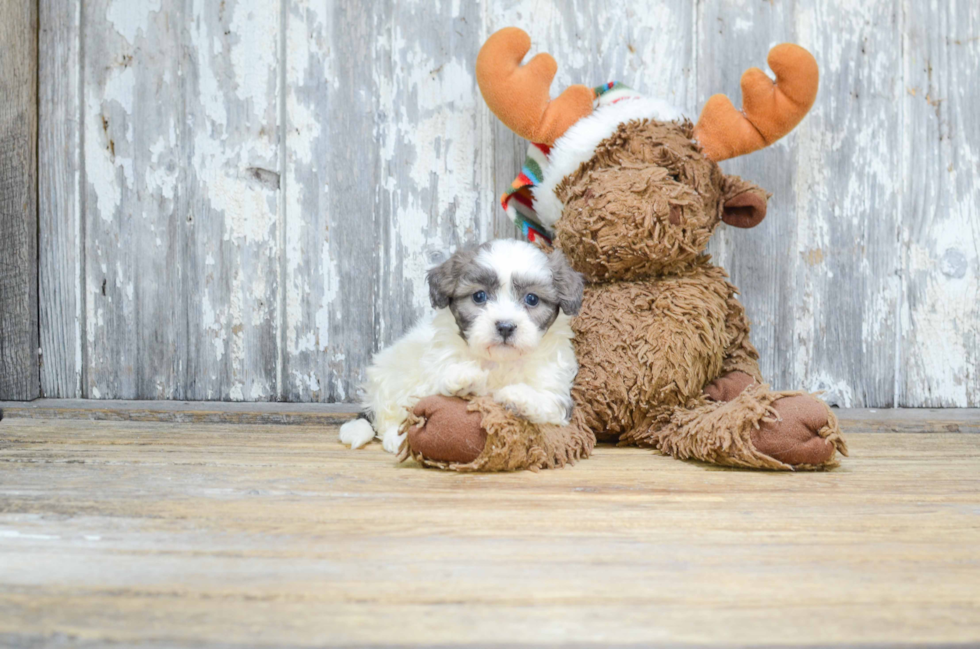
(631, 192)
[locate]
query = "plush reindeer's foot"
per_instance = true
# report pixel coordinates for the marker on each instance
(482, 435)
(804, 435)
(758, 429)
(729, 386)
(446, 431)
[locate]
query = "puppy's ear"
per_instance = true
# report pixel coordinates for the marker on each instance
(568, 283)
(443, 278)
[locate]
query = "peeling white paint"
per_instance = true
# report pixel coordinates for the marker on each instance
(328, 308)
(213, 326)
(100, 168)
(255, 24)
(130, 18)
(834, 391)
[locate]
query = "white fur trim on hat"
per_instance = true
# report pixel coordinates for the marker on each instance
(579, 142)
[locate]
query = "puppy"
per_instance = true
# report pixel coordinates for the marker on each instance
(501, 328)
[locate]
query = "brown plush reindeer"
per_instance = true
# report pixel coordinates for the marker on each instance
(632, 192)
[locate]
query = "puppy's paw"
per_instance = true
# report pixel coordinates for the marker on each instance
(392, 441)
(356, 433)
(531, 404)
(462, 380)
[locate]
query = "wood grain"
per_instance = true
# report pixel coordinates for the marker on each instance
(185, 535)
(60, 264)
(848, 205)
(437, 196)
(181, 199)
(852, 420)
(940, 334)
(333, 187)
(19, 374)
(211, 412)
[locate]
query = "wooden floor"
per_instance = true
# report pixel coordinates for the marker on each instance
(202, 534)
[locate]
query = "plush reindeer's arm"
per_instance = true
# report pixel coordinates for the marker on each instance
(482, 435)
(741, 355)
(740, 367)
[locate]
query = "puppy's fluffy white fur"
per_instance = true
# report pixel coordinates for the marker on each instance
(461, 351)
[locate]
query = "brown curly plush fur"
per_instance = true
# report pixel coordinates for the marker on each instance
(659, 322)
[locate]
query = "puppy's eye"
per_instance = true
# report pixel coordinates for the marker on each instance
(531, 299)
(480, 297)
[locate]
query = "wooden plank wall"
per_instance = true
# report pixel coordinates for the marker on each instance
(239, 199)
(19, 373)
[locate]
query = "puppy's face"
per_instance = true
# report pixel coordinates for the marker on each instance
(505, 295)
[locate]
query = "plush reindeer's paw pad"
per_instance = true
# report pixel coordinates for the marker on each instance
(801, 436)
(727, 387)
(449, 432)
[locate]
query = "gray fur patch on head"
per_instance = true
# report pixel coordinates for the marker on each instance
(544, 314)
(568, 282)
(460, 277)
(443, 278)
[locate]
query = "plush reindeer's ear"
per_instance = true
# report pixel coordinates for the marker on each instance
(568, 283)
(744, 203)
(443, 278)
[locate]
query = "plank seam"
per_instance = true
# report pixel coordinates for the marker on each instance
(692, 86)
(81, 298)
(37, 190)
(281, 221)
(897, 377)
(932, 421)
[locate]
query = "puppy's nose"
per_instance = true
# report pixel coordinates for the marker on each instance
(505, 329)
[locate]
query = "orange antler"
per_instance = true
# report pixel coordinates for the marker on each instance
(519, 95)
(769, 110)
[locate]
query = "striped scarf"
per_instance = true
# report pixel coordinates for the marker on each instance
(518, 201)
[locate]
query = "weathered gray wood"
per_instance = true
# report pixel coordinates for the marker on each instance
(239, 200)
(335, 120)
(852, 420)
(848, 206)
(385, 176)
(232, 157)
(181, 197)
(435, 167)
(940, 334)
(19, 373)
(60, 266)
(649, 47)
(215, 412)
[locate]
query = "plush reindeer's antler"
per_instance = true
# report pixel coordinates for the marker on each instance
(769, 110)
(519, 95)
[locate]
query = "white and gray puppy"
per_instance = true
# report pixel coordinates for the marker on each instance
(501, 328)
